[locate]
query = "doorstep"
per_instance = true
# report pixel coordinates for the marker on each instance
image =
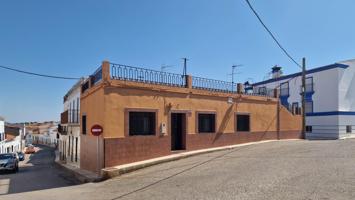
(111, 172)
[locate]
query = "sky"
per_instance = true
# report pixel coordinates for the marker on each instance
(72, 38)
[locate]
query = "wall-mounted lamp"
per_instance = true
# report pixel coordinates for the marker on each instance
(230, 100)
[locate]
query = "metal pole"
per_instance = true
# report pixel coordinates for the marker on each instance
(304, 98)
(185, 66)
(98, 149)
(233, 68)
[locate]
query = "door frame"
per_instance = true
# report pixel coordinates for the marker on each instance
(187, 114)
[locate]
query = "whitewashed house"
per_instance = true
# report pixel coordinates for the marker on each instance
(69, 128)
(2, 134)
(330, 98)
(44, 133)
(13, 139)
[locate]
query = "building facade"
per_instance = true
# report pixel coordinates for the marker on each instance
(2, 129)
(13, 140)
(45, 133)
(69, 131)
(145, 114)
(329, 94)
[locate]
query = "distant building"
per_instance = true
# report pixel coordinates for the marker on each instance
(13, 139)
(44, 133)
(2, 134)
(2, 129)
(69, 128)
(330, 98)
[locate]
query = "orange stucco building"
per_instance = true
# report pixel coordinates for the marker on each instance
(146, 114)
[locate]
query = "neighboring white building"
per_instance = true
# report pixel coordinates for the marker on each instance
(330, 98)
(2, 134)
(11, 138)
(69, 129)
(28, 136)
(44, 133)
(2, 129)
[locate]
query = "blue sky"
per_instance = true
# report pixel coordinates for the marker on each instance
(71, 38)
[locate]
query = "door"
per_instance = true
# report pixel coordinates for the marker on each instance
(178, 131)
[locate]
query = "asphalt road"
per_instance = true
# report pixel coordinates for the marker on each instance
(276, 170)
(36, 172)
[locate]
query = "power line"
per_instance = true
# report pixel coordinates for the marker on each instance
(36, 74)
(272, 35)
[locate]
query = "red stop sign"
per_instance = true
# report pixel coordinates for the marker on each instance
(97, 130)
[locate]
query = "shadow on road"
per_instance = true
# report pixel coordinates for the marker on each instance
(36, 172)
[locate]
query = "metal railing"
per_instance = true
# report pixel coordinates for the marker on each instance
(136, 74)
(73, 116)
(261, 91)
(85, 86)
(213, 85)
(96, 76)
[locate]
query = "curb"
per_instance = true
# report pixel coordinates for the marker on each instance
(75, 172)
(112, 172)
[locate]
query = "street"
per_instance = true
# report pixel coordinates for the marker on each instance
(276, 170)
(36, 172)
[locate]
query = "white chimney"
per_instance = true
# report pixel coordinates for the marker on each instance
(276, 71)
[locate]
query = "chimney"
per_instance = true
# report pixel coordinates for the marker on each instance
(276, 71)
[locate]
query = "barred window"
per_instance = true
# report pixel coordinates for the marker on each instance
(206, 123)
(348, 129)
(309, 129)
(309, 106)
(243, 122)
(142, 123)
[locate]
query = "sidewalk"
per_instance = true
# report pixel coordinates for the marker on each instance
(83, 176)
(126, 168)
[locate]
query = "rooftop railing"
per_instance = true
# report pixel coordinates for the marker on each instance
(124, 72)
(213, 85)
(261, 91)
(115, 71)
(96, 76)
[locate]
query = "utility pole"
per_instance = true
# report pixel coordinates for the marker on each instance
(185, 65)
(304, 98)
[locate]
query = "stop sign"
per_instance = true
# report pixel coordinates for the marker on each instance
(97, 130)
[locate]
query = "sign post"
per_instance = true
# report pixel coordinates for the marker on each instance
(96, 130)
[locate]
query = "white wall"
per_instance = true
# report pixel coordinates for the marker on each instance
(2, 130)
(325, 127)
(11, 146)
(347, 87)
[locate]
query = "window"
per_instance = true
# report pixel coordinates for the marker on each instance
(243, 123)
(262, 90)
(348, 129)
(83, 124)
(206, 123)
(309, 84)
(295, 109)
(142, 123)
(309, 106)
(284, 89)
(309, 129)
